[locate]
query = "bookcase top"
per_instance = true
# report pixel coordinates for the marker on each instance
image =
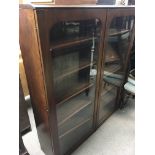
(37, 6)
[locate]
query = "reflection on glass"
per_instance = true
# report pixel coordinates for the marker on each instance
(74, 48)
(75, 118)
(107, 101)
(115, 60)
(75, 136)
(74, 70)
(75, 111)
(71, 30)
(117, 48)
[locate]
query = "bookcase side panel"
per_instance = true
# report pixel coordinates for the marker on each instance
(32, 62)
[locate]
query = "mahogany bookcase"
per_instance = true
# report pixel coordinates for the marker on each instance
(76, 60)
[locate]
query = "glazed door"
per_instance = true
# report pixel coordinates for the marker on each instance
(75, 57)
(72, 60)
(117, 44)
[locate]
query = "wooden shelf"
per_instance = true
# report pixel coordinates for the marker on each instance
(116, 33)
(112, 59)
(106, 109)
(113, 81)
(107, 89)
(77, 91)
(74, 128)
(76, 117)
(108, 97)
(84, 65)
(72, 108)
(68, 43)
(111, 54)
(112, 68)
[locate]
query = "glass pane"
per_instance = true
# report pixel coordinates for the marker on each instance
(107, 101)
(75, 63)
(69, 140)
(75, 111)
(73, 71)
(70, 30)
(74, 59)
(117, 48)
(115, 61)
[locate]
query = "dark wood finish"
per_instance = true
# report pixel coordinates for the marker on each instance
(70, 43)
(46, 24)
(111, 14)
(32, 60)
(36, 22)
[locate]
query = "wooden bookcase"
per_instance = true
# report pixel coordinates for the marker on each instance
(76, 60)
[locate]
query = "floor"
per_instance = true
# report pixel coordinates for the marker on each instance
(115, 137)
